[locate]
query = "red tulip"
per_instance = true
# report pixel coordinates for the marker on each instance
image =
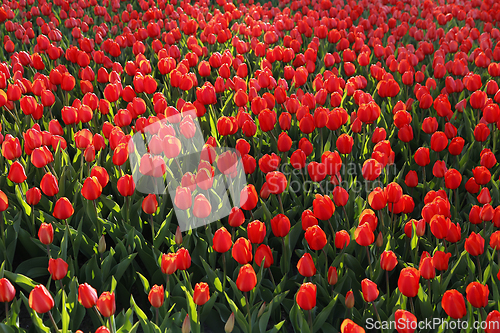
(440, 260)
(306, 266)
(63, 209)
(91, 189)
(453, 304)
(342, 239)
(7, 291)
(236, 217)
(280, 225)
(183, 259)
(406, 321)
(106, 304)
(316, 238)
(370, 290)
(276, 181)
(264, 252)
(477, 294)
(242, 251)
(247, 279)
(201, 207)
(306, 296)
(156, 296)
(388, 260)
(16, 173)
(222, 240)
(248, 197)
(474, 244)
(493, 322)
(87, 296)
(40, 299)
(201, 293)
(408, 282)
(364, 235)
(150, 204)
(169, 263)
(256, 231)
(323, 207)
(58, 268)
(126, 185)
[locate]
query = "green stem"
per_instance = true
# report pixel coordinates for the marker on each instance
(369, 262)
(99, 316)
(6, 312)
(310, 316)
(281, 204)
(248, 309)
(53, 322)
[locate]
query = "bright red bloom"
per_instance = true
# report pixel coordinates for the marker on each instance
(453, 304)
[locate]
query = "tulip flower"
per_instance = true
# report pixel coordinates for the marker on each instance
(201, 293)
(242, 251)
(222, 240)
(247, 279)
(316, 238)
(58, 268)
(63, 209)
(306, 266)
(477, 294)
(256, 231)
(405, 321)
(453, 304)
(265, 253)
(306, 296)
(408, 283)
(168, 263)
(348, 326)
(87, 296)
(106, 304)
(40, 299)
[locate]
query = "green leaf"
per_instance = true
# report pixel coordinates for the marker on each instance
(22, 201)
(6, 329)
(193, 314)
(238, 315)
(324, 314)
(141, 315)
(24, 282)
(64, 315)
(144, 281)
(212, 277)
(37, 321)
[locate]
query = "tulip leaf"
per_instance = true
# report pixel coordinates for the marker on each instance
(123, 265)
(24, 282)
(161, 235)
(6, 329)
(141, 315)
(144, 281)
(212, 277)
(238, 315)
(37, 321)
(64, 315)
(22, 201)
(324, 314)
(193, 314)
(264, 319)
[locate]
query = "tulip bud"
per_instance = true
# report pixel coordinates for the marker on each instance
(380, 240)
(186, 325)
(102, 244)
(349, 299)
(261, 310)
(178, 236)
(229, 324)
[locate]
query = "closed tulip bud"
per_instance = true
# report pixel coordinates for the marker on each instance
(323, 207)
(422, 156)
(49, 185)
(102, 244)
(63, 209)
(236, 217)
(306, 296)
(186, 325)
(126, 185)
(332, 276)
(453, 304)
(106, 304)
(87, 296)
(40, 299)
(349, 299)
(248, 197)
(178, 236)
(228, 328)
(379, 242)
(201, 293)
(201, 207)
(7, 291)
(342, 239)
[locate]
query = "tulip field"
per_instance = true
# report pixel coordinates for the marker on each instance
(257, 167)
